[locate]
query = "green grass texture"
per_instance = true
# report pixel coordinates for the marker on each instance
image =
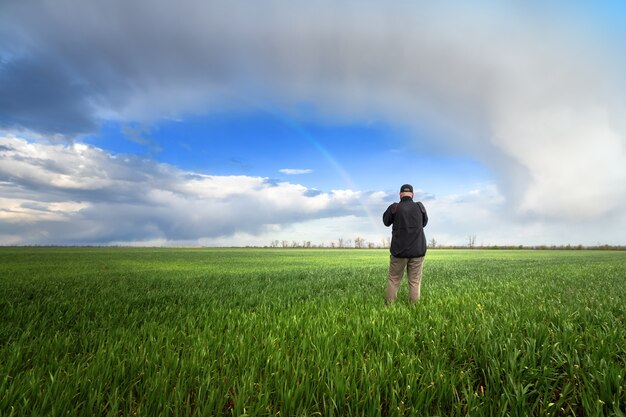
(305, 332)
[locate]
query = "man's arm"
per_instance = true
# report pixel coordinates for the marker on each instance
(389, 214)
(424, 215)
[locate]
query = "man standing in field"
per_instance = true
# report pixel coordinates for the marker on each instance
(408, 244)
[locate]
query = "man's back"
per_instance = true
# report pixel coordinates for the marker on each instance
(408, 219)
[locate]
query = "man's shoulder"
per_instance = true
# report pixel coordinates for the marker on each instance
(413, 205)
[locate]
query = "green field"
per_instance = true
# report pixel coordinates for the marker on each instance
(118, 331)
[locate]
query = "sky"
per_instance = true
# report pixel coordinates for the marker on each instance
(238, 123)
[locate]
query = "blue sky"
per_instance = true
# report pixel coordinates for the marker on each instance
(370, 155)
(208, 123)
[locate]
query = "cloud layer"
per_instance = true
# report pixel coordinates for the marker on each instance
(77, 194)
(295, 171)
(521, 88)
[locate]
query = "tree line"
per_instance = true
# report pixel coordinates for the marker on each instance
(340, 243)
(360, 243)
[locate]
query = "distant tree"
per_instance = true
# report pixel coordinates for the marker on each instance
(471, 241)
(274, 243)
(359, 242)
(285, 243)
(332, 244)
(340, 242)
(433, 243)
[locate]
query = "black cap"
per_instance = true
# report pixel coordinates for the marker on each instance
(406, 188)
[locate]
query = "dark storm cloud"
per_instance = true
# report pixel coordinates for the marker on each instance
(38, 95)
(73, 63)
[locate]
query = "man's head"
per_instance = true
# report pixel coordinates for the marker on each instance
(406, 191)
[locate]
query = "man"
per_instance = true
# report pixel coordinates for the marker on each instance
(408, 244)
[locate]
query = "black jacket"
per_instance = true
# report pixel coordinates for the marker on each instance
(407, 237)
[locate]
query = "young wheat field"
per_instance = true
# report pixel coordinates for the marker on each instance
(273, 332)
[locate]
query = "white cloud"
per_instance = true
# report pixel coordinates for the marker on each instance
(378, 198)
(64, 194)
(33, 211)
(293, 171)
(484, 212)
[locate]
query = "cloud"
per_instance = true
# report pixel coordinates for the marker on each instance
(40, 97)
(139, 135)
(291, 171)
(521, 88)
(79, 194)
(483, 212)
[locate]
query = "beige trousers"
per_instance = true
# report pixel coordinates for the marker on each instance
(396, 271)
